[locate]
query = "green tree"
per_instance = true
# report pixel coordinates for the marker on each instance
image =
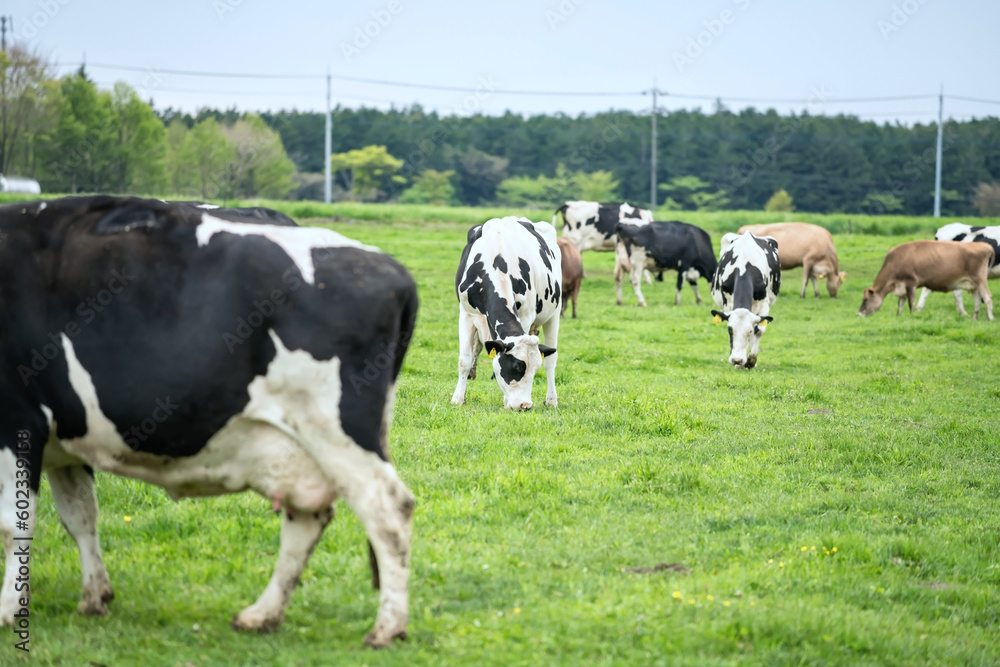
(478, 174)
(690, 193)
(176, 169)
(207, 155)
(780, 201)
(25, 101)
(987, 199)
(259, 166)
(84, 140)
(595, 186)
(431, 187)
(139, 162)
(878, 203)
(365, 168)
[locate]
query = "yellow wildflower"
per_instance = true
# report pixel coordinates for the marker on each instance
(128, 519)
(677, 595)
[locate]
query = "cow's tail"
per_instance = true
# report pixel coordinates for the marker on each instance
(555, 216)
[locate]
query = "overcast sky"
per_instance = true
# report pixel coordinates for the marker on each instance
(801, 50)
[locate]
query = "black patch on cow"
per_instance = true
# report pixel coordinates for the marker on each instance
(500, 264)
(730, 339)
(610, 214)
(525, 268)
(975, 229)
(512, 369)
(538, 306)
(518, 285)
(959, 237)
(129, 217)
(544, 251)
(555, 293)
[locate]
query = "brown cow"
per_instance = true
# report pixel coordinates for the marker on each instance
(941, 266)
(572, 273)
(805, 245)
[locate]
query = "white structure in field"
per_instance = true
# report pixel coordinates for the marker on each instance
(27, 186)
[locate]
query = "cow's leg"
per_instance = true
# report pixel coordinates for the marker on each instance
(477, 347)
(76, 502)
(984, 292)
(924, 293)
(805, 280)
(911, 292)
(298, 539)
(15, 532)
(576, 292)
(638, 261)
(649, 277)
(958, 302)
(899, 308)
(549, 362)
(466, 359)
(621, 265)
(680, 286)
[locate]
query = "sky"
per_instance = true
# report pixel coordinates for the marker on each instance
(818, 55)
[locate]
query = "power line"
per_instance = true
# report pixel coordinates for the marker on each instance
(971, 99)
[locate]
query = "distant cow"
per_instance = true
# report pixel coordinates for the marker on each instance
(572, 273)
(745, 286)
(957, 231)
(592, 226)
(662, 246)
(941, 266)
(206, 355)
(805, 245)
(508, 285)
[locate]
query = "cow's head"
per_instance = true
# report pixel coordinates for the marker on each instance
(516, 359)
(871, 302)
(833, 283)
(745, 330)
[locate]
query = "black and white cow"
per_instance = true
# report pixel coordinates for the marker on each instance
(509, 285)
(662, 246)
(958, 231)
(593, 226)
(206, 356)
(745, 286)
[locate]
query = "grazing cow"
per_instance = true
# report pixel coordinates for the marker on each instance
(572, 273)
(661, 246)
(508, 286)
(808, 246)
(957, 231)
(941, 266)
(745, 286)
(207, 356)
(593, 226)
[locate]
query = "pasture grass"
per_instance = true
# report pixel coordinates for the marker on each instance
(839, 504)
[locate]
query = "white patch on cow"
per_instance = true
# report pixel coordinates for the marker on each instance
(47, 411)
(287, 444)
(9, 595)
(206, 206)
(41, 207)
(297, 242)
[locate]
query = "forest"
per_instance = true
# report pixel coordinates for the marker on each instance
(73, 137)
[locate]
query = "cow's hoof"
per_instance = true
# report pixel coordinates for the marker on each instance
(374, 640)
(252, 620)
(554, 402)
(457, 401)
(92, 608)
(642, 304)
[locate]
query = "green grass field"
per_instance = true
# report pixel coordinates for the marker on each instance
(839, 504)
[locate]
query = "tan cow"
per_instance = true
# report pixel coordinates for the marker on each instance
(805, 245)
(572, 273)
(941, 266)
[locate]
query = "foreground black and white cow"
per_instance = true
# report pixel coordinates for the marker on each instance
(745, 286)
(662, 246)
(207, 356)
(593, 226)
(509, 285)
(958, 231)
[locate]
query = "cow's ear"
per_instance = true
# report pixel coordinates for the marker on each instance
(494, 347)
(767, 318)
(546, 350)
(719, 317)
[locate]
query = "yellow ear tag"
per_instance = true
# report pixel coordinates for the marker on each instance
(493, 353)
(763, 324)
(717, 319)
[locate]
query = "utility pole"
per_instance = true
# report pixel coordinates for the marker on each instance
(937, 164)
(654, 91)
(3, 31)
(328, 186)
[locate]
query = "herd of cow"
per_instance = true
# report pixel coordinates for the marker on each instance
(211, 350)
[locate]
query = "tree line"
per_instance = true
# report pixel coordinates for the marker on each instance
(74, 137)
